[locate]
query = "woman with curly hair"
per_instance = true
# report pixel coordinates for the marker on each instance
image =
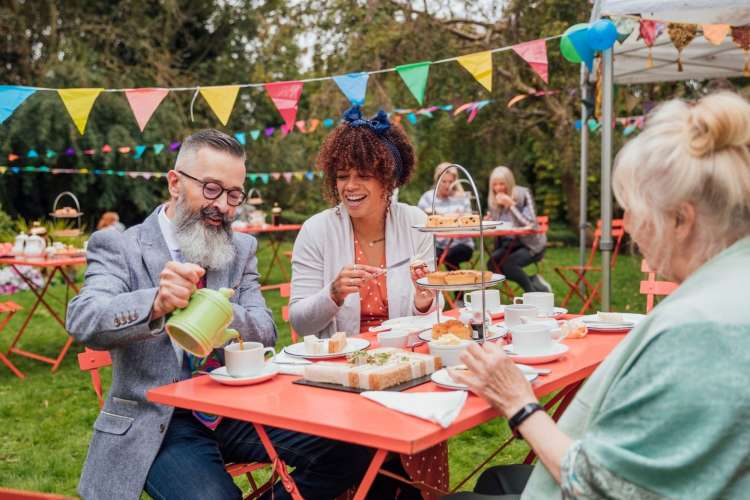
(339, 257)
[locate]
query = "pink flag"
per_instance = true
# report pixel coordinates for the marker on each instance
(285, 95)
(276, 175)
(144, 102)
(534, 53)
(288, 177)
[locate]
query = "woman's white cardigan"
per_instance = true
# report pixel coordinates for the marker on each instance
(325, 244)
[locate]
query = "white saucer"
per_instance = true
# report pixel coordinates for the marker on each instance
(591, 322)
(556, 313)
(441, 378)
(221, 376)
(353, 344)
(537, 359)
(496, 331)
(495, 312)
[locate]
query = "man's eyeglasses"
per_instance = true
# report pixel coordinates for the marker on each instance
(213, 190)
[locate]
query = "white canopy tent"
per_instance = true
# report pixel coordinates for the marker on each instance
(701, 60)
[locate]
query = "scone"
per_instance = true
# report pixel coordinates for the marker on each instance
(468, 220)
(450, 220)
(434, 220)
(453, 326)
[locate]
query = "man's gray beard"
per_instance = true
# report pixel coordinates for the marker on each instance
(210, 247)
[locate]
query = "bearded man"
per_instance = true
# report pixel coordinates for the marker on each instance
(134, 281)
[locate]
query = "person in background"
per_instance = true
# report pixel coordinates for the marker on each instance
(665, 415)
(514, 204)
(449, 198)
(111, 220)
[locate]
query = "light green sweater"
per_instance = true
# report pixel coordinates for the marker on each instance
(669, 409)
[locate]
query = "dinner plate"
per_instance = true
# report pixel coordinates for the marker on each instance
(486, 226)
(221, 376)
(557, 352)
(496, 332)
(441, 378)
(496, 278)
(591, 321)
(353, 344)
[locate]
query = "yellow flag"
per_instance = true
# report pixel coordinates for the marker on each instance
(479, 65)
(221, 100)
(79, 102)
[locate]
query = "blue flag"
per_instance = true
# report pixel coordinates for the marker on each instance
(11, 97)
(240, 136)
(354, 86)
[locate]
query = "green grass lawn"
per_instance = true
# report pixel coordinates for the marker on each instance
(47, 418)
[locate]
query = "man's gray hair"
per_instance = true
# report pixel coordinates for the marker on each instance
(209, 138)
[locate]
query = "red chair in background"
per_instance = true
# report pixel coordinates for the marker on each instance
(652, 288)
(91, 360)
(578, 278)
(508, 290)
(8, 310)
(285, 290)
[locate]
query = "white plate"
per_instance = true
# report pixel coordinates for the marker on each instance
(353, 344)
(498, 311)
(442, 379)
(496, 332)
(221, 376)
(496, 279)
(634, 318)
(487, 225)
(557, 352)
(556, 313)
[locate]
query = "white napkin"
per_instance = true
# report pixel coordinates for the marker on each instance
(439, 407)
(290, 365)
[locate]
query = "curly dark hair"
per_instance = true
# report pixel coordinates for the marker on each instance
(361, 148)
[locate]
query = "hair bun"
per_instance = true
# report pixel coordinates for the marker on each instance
(717, 122)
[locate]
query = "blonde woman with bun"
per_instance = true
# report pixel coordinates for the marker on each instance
(666, 414)
(449, 198)
(514, 204)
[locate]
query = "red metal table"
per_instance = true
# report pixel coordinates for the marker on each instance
(55, 266)
(276, 234)
(351, 418)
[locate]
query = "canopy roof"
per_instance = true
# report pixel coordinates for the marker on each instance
(701, 59)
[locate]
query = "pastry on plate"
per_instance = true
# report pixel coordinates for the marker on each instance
(452, 326)
(437, 278)
(468, 220)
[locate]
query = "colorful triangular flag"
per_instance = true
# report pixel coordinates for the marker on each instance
(51, 154)
(415, 77)
(285, 96)
(255, 134)
(353, 86)
(276, 175)
(535, 53)
(328, 122)
(32, 154)
(79, 102)
(264, 178)
(12, 96)
(143, 103)
(221, 100)
(139, 150)
(288, 177)
(158, 148)
(240, 136)
(716, 33)
(479, 65)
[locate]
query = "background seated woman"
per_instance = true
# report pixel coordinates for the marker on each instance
(665, 416)
(450, 199)
(514, 204)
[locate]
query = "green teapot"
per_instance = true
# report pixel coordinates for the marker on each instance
(202, 325)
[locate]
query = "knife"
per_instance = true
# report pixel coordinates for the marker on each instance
(391, 267)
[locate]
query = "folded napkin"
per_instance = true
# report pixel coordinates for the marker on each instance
(439, 407)
(290, 365)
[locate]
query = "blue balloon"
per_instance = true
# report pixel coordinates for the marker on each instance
(602, 34)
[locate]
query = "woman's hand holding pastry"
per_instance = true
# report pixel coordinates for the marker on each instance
(423, 297)
(350, 279)
(495, 377)
(504, 200)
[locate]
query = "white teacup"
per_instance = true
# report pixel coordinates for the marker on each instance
(544, 301)
(449, 354)
(246, 362)
(535, 339)
(473, 300)
(514, 313)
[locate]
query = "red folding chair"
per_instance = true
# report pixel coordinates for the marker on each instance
(508, 290)
(8, 310)
(91, 360)
(577, 278)
(10, 494)
(651, 287)
(286, 291)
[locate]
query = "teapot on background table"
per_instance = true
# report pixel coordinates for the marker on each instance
(202, 325)
(34, 246)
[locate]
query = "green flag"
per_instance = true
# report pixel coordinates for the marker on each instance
(415, 77)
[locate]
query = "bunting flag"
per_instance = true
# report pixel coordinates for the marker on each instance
(648, 32)
(143, 103)
(139, 150)
(221, 100)
(255, 134)
(158, 148)
(240, 136)
(288, 177)
(353, 86)
(285, 96)
(681, 36)
(328, 122)
(11, 97)
(479, 65)
(415, 77)
(741, 38)
(309, 126)
(716, 33)
(535, 53)
(79, 102)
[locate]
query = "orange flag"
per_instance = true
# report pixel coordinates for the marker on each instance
(716, 33)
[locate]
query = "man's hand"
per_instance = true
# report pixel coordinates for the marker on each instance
(177, 282)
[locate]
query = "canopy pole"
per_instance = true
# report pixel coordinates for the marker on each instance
(605, 244)
(583, 206)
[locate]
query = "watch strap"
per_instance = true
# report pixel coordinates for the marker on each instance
(521, 415)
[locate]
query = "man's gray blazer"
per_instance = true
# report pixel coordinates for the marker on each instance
(112, 313)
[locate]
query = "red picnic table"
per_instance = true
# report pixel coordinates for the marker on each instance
(55, 265)
(276, 234)
(349, 417)
(489, 235)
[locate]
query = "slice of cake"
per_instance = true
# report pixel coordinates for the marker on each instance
(460, 278)
(436, 278)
